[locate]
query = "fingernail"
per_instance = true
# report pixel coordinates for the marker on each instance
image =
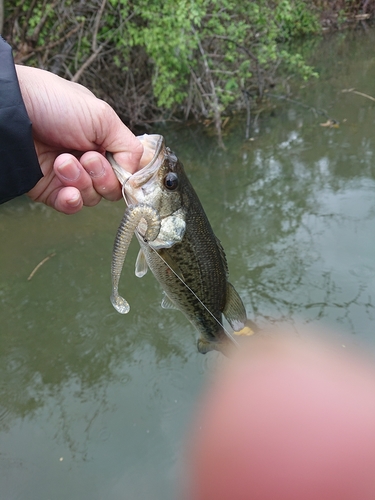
(95, 167)
(69, 171)
(75, 200)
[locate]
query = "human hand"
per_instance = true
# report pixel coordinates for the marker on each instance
(72, 129)
(285, 418)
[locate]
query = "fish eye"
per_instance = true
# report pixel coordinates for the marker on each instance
(171, 181)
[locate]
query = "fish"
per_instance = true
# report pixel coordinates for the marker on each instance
(178, 244)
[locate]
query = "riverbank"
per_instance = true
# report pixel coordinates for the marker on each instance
(176, 60)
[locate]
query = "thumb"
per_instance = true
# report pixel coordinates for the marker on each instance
(120, 141)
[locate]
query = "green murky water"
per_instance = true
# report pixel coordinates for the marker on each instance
(95, 405)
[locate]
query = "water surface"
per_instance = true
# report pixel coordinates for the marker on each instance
(94, 404)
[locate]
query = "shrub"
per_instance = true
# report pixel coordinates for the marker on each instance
(153, 58)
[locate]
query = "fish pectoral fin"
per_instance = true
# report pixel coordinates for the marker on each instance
(141, 265)
(166, 303)
(170, 262)
(235, 313)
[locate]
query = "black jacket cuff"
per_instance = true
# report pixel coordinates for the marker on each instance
(19, 165)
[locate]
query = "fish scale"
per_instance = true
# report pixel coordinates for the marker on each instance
(185, 256)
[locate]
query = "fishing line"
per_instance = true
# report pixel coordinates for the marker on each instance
(228, 334)
(123, 192)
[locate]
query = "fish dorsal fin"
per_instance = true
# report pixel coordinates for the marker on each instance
(163, 252)
(141, 266)
(222, 255)
(166, 303)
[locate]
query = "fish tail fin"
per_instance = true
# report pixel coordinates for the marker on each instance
(235, 313)
(248, 329)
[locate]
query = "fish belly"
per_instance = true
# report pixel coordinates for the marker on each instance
(196, 288)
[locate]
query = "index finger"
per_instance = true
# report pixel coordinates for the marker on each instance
(102, 175)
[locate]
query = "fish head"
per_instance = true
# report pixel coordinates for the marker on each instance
(159, 184)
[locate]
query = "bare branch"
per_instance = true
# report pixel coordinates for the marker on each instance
(87, 63)
(215, 101)
(359, 93)
(40, 265)
(96, 26)
(39, 26)
(47, 47)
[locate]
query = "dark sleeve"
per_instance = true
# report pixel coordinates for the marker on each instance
(19, 166)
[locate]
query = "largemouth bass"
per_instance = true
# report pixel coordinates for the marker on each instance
(177, 244)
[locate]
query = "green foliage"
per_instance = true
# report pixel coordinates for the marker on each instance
(224, 42)
(294, 18)
(165, 30)
(199, 56)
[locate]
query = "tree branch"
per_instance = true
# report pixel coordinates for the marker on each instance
(96, 26)
(87, 63)
(215, 100)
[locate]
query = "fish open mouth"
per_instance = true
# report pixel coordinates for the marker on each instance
(152, 144)
(153, 156)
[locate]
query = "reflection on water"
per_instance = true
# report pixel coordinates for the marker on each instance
(94, 404)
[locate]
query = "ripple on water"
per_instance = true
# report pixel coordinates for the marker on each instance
(16, 364)
(112, 320)
(4, 412)
(104, 434)
(85, 334)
